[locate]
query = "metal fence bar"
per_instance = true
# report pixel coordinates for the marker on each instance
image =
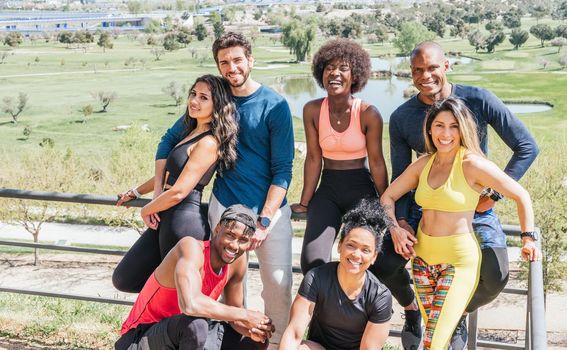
(66, 296)
(64, 248)
(536, 304)
(496, 345)
(536, 337)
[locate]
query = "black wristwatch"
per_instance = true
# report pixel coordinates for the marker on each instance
(496, 196)
(532, 234)
(264, 221)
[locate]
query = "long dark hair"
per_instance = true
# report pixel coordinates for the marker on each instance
(224, 125)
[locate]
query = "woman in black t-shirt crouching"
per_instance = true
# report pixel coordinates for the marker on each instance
(345, 306)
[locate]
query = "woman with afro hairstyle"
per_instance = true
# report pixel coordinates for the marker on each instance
(342, 133)
(345, 306)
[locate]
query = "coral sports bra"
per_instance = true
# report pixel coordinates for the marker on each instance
(346, 145)
(454, 196)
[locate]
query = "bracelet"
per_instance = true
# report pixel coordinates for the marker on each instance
(136, 193)
(303, 205)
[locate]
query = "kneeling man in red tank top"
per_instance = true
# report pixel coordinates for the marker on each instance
(178, 307)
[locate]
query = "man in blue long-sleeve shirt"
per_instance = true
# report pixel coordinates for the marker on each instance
(429, 66)
(262, 173)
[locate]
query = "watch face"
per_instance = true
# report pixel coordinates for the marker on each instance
(264, 221)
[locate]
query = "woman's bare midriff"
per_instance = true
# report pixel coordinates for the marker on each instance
(440, 223)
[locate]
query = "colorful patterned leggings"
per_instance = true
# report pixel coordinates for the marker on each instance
(445, 274)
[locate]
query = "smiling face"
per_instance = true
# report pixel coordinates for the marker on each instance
(357, 250)
(444, 132)
(234, 65)
(428, 70)
(200, 102)
(337, 77)
(231, 241)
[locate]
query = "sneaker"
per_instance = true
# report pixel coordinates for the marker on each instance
(460, 335)
(411, 333)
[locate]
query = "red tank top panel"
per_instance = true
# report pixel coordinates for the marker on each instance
(156, 302)
(346, 145)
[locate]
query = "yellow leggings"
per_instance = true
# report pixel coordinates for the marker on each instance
(445, 274)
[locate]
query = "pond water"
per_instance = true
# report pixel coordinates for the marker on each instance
(519, 108)
(386, 94)
(393, 63)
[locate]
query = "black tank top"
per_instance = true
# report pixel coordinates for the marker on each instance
(178, 157)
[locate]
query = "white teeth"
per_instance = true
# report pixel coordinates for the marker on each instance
(230, 253)
(445, 142)
(354, 263)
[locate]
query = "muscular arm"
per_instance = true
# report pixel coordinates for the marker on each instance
(182, 268)
(374, 336)
(373, 122)
(514, 134)
(300, 316)
(313, 160)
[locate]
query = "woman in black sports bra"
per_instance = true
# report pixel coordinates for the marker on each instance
(177, 212)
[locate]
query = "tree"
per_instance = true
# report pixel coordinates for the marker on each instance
(298, 37)
(492, 26)
(435, 24)
(411, 34)
(14, 109)
(561, 31)
(512, 19)
(459, 29)
(559, 43)
(320, 8)
(105, 41)
(560, 12)
(200, 32)
(175, 91)
(495, 39)
(157, 52)
(477, 40)
(14, 39)
(151, 40)
(134, 7)
(86, 111)
(518, 37)
(563, 61)
(543, 32)
(170, 42)
(184, 36)
(65, 38)
(350, 28)
(218, 27)
(538, 11)
(105, 98)
(153, 27)
(3, 57)
(380, 34)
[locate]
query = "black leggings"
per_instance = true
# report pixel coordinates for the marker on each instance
(184, 332)
(339, 191)
(390, 270)
(188, 218)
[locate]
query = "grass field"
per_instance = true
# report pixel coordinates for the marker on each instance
(93, 158)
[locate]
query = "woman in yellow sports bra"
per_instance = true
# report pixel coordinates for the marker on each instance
(448, 182)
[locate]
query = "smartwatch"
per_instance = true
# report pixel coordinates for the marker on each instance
(264, 221)
(532, 234)
(496, 196)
